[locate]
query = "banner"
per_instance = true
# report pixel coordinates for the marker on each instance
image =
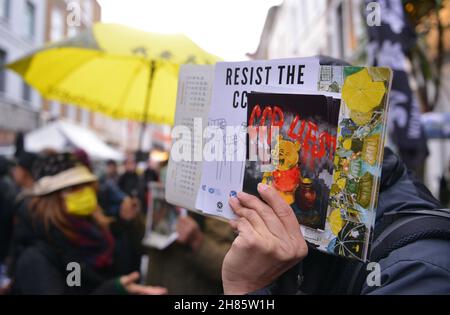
(388, 46)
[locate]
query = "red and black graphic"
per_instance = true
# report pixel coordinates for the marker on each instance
(292, 139)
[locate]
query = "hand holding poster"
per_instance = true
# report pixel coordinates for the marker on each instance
(322, 149)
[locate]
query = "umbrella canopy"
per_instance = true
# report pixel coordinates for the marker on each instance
(119, 71)
(62, 135)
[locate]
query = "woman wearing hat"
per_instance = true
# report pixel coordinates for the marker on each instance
(64, 241)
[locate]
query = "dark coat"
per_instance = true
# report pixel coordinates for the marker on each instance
(129, 183)
(8, 193)
(40, 259)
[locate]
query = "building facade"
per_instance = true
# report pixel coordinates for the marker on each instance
(22, 29)
(299, 28)
(66, 19)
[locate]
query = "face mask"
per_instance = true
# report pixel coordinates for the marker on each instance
(82, 202)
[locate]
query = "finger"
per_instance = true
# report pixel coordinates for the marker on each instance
(271, 220)
(246, 230)
(182, 235)
(282, 210)
(233, 224)
(130, 278)
(251, 215)
(249, 239)
(181, 238)
(179, 226)
(146, 290)
(186, 230)
(184, 224)
(182, 220)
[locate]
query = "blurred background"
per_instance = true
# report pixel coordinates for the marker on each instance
(236, 30)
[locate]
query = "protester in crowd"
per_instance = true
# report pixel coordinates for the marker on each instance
(22, 171)
(14, 197)
(129, 180)
(193, 264)
(150, 174)
(63, 224)
(130, 184)
(153, 166)
(270, 255)
(110, 195)
(112, 171)
(118, 205)
(163, 168)
(8, 193)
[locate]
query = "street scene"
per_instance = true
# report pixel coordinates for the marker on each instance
(213, 147)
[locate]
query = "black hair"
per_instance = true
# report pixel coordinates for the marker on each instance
(111, 162)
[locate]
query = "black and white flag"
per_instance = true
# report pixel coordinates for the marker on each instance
(388, 46)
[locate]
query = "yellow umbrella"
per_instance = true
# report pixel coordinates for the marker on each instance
(119, 71)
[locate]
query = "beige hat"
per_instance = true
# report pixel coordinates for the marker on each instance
(71, 177)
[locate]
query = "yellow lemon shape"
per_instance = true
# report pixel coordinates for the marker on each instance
(347, 144)
(362, 94)
(336, 222)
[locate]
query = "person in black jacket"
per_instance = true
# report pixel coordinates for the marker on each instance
(22, 170)
(280, 261)
(265, 257)
(61, 225)
(129, 180)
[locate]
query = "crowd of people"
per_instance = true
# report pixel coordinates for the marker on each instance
(55, 210)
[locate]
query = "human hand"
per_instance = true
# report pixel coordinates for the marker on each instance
(128, 282)
(269, 242)
(5, 288)
(189, 233)
(129, 209)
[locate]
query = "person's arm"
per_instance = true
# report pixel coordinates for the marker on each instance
(35, 275)
(210, 253)
(422, 266)
(269, 242)
(22, 234)
(116, 195)
(127, 285)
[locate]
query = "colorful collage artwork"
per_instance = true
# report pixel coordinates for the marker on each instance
(357, 160)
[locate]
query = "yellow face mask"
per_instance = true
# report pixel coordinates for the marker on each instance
(82, 202)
